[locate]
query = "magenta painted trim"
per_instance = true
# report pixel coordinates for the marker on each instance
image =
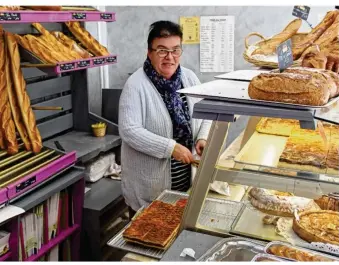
(58, 69)
(56, 16)
(42, 174)
(78, 193)
(53, 242)
(7, 256)
(3, 195)
(14, 238)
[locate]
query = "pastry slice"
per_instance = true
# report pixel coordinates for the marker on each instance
(332, 161)
(276, 126)
(306, 150)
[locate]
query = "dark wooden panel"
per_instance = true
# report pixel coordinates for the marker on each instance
(110, 104)
(64, 102)
(26, 28)
(30, 73)
(48, 87)
(55, 126)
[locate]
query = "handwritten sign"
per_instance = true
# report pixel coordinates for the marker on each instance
(285, 55)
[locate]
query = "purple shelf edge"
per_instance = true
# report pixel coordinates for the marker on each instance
(3, 195)
(42, 174)
(53, 242)
(6, 256)
(112, 57)
(21, 16)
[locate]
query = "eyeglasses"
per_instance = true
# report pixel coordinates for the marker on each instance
(162, 53)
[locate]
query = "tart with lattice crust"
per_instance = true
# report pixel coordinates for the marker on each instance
(318, 226)
(279, 203)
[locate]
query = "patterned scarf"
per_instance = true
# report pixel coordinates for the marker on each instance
(179, 114)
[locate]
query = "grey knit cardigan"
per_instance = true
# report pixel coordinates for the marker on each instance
(146, 131)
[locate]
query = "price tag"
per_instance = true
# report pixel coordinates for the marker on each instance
(106, 16)
(111, 59)
(83, 64)
(301, 12)
(23, 185)
(285, 55)
(9, 16)
(99, 61)
(67, 66)
(79, 16)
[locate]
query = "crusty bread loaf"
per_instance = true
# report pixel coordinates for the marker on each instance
(71, 44)
(328, 76)
(305, 89)
(23, 100)
(87, 39)
(270, 46)
(299, 47)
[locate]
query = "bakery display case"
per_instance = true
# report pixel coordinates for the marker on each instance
(287, 156)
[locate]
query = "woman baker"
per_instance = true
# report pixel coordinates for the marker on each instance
(159, 136)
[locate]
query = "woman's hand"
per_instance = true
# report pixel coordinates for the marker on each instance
(199, 147)
(182, 154)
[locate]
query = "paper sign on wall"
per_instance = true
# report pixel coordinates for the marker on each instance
(190, 27)
(217, 44)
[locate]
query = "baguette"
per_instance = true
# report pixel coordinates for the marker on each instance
(50, 38)
(24, 103)
(71, 44)
(300, 46)
(87, 39)
(305, 89)
(44, 8)
(3, 99)
(14, 106)
(9, 8)
(270, 46)
(7, 129)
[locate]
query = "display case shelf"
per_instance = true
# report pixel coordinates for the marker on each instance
(27, 16)
(71, 66)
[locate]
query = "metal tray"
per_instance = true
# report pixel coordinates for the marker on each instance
(215, 215)
(233, 249)
(266, 257)
(312, 252)
(237, 91)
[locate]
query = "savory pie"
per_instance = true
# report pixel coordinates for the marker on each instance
(306, 150)
(318, 226)
(156, 226)
(329, 202)
(279, 203)
(277, 126)
(297, 254)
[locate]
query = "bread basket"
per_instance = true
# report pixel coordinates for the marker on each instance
(261, 63)
(99, 129)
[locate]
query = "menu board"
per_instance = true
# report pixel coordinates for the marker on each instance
(216, 44)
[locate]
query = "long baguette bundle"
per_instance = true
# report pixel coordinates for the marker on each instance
(50, 38)
(87, 39)
(71, 44)
(7, 129)
(270, 46)
(300, 46)
(23, 100)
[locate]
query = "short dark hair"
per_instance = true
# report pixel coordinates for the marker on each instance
(163, 29)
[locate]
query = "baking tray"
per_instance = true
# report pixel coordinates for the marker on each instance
(217, 214)
(241, 75)
(315, 253)
(266, 257)
(255, 228)
(237, 91)
(233, 249)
